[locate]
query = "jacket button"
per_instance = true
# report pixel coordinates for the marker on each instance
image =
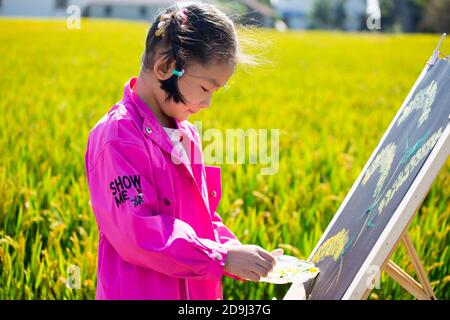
(148, 130)
(217, 256)
(213, 193)
(167, 201)
(192, 180)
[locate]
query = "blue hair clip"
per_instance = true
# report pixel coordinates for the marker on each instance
(178, 73)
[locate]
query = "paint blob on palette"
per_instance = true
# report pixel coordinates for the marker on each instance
(289, 269)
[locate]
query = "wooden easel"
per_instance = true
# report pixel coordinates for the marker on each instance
(381, 254)
(421, 290)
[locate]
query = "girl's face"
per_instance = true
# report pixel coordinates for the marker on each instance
(197, 85)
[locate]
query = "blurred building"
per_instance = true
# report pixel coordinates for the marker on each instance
(295, 13)
(119, 9)
(124, 9)
(36, 8)
(253, 12)
(258, 14)
(298, 14)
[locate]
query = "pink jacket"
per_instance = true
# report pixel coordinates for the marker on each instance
(160, 234)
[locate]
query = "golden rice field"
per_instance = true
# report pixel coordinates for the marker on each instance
(332, 95)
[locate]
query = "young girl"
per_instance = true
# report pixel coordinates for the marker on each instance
(153, 198)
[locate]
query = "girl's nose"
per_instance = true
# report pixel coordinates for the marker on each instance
(206, 103)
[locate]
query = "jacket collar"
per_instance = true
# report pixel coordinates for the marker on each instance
(150, 125)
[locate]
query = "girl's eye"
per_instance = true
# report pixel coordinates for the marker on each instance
(204, 89)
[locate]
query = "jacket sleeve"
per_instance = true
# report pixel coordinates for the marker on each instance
(129, 219)
(224, 234)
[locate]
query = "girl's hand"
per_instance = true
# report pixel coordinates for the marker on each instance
(250, 261)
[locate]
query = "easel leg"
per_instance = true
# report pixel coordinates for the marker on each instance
(422, 290)
(421, 273)
(405, 280)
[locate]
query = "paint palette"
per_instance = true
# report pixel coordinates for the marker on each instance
(290, 269)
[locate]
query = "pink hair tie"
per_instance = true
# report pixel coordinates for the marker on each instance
(183, 13)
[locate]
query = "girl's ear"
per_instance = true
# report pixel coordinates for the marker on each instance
(162, 69)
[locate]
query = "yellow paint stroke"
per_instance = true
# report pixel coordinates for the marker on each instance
(333, 247)
(422, 101)
(383, 162)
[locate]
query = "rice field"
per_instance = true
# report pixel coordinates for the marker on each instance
(332, 95)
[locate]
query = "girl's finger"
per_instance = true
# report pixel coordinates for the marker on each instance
(250, 276)
(267, 256)
(261, 270)
(266, 265)
(254, 276)
(277, 252)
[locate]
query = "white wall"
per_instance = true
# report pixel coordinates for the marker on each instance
(46, 8)
(28, 7)
(33, 8)
(124, 12)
